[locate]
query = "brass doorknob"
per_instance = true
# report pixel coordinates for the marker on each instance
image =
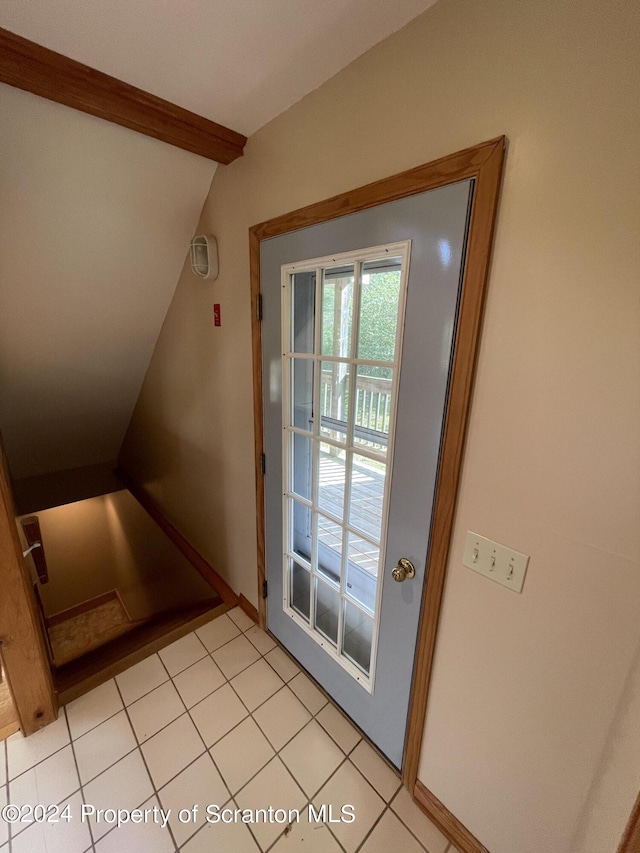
(404, 569)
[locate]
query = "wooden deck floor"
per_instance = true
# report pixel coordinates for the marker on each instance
(367, 494)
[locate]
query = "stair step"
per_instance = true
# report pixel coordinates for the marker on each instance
(77, 677)
(87, 626)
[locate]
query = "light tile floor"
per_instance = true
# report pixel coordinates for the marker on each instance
(222, 716)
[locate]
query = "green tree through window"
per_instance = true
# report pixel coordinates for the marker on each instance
(378, 320)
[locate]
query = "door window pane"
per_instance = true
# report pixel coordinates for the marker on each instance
(303, 311)
(373, 396)
(379, 300)
(342, 412)
(363, 559)
(367, 495)
(334, 400)
(300, 590)
(301, 464)
(331, 476)
(300, 521)
(302, 393)
(330, 536)
(337, 311)
(358, 632)
(327, 608)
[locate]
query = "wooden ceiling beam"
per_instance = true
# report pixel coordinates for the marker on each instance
(29, 66)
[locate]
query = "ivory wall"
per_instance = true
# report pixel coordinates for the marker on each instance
(534, 712)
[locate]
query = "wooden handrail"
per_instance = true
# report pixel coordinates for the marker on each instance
(377, 384)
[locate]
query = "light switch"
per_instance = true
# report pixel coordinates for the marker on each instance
(495, 561)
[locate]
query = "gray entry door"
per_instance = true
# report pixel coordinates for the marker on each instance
(358, 330)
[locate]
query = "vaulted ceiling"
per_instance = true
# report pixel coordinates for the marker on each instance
(95, 219)
(238, 62)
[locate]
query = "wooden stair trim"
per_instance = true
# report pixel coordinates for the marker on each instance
(83, 674)
(85, 607)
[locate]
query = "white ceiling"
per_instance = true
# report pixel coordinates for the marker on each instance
(238, 62)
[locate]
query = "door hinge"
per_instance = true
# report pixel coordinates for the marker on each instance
(263, 464)
(264, 589)
(259, 306)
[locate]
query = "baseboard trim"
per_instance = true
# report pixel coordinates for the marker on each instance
(446, 821)
(184, 546)
(248, 608)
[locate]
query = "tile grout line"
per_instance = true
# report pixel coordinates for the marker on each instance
(276, 752)
(181, 671)
(13, 835)
(206, 751)
(348, 755)
(75, 761)
(110, 717)
(146, 767)
(406, 826)
(278, 755)
(170, 678)
(387, 804)
(249, 716)
(143, 695)
(386, 808)
(285, 683)
(93, 729)
(37, 763)
(310, 798)
(342, 763)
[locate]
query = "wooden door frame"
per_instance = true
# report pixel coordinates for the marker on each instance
(24, 654)
(483, 163)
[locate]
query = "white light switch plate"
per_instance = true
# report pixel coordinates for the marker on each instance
(495, 561)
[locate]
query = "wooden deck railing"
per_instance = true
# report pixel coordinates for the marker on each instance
(373, 407)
